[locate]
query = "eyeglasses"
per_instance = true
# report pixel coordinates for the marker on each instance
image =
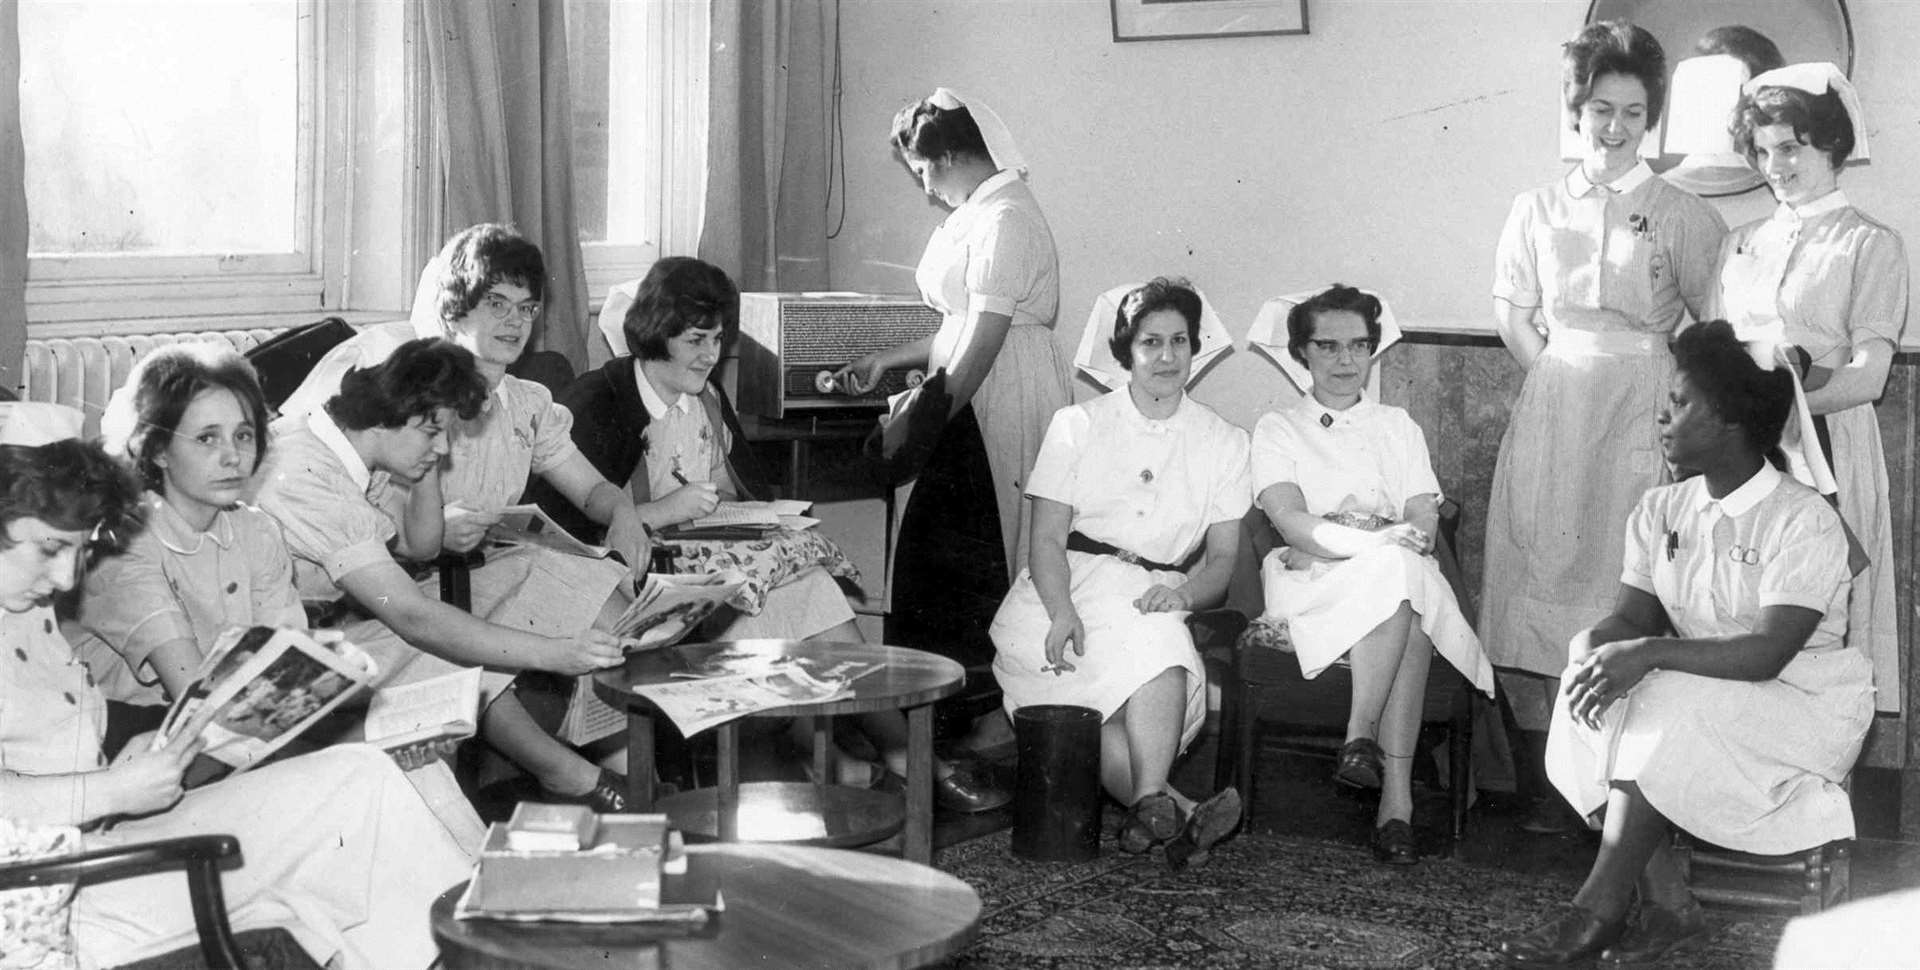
(499, 307)
(1356, 348)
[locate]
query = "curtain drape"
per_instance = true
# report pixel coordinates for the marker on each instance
(502, 144)
(13, 206)
(767, 163)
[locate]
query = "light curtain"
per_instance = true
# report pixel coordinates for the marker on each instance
(502, 137)
(766, 219)
(13, 206)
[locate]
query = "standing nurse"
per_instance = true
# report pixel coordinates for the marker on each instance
(992, 272)
(1610, 257)
(1822, 275)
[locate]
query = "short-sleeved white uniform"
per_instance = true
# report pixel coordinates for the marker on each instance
(1753, 766)
(1367, 459)
(1147, 486)
(1835, 280)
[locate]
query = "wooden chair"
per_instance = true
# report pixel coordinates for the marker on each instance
(200, 857)
(1261, 687)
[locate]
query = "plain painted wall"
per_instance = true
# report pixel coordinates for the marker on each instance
(1382, 149)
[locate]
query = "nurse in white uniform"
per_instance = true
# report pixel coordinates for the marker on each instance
(1825, 277)
(1739, 726)
(1347, 483)
(1138, 497)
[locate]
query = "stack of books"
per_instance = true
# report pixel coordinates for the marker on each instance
(563, 863)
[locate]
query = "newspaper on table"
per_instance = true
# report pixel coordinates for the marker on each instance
(530, 525)
(666, 609)
(259, 688)
(726, 687)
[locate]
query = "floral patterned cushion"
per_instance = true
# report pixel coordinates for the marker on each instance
(767, 561)
(1269, 633)
(33, 921)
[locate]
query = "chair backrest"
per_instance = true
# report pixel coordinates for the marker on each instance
(285, 361)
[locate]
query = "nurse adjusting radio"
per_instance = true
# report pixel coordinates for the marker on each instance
(791, 344)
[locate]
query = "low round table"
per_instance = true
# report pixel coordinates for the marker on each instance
(818, 813)
(787, 908)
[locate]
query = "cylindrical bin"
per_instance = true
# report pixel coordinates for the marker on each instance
(1056, 798)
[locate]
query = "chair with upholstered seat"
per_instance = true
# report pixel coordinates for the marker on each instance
(1262, 688)
(200, 857)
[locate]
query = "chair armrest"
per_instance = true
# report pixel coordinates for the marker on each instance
(1215, 628)
(201, 857)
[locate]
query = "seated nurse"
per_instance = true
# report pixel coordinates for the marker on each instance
(1347, 483)
(338, 847)
(1137, 501)
(1720, 695)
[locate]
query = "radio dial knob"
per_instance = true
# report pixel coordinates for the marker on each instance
(916, 377)
(824, 383)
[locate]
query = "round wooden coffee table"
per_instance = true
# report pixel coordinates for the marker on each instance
(787, 908)
(819, 813)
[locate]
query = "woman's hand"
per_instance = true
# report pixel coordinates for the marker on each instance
(423, 753)
(1606, 674)
(1406, 534)
(585, 653)
(146, 779)
(862, 375)
(686, 503)
(1163, 599)
(628, 536)
(465, 527)
(1065, 629)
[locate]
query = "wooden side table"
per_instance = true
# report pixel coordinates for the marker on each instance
(909, 680)
(787, 908)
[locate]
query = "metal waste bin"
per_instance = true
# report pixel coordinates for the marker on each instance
(1056, 799)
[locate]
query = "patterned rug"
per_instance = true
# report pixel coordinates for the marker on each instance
(1271, 901)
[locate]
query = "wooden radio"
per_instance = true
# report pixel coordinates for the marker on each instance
(792, 343)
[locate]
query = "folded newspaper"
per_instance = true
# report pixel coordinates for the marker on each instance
(259, 688)
(667, 607)
(529, 525)
(727, 687)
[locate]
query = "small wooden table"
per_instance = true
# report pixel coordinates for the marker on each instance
(907, 679)
(787, 908)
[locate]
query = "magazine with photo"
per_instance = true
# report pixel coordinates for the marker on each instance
(259, 688)
(529, 525)
(698, 704)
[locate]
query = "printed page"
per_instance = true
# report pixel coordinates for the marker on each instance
(528, 524)
(447, 706)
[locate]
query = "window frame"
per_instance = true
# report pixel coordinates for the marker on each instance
(203, 291)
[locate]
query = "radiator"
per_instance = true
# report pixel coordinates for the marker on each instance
(83, 372)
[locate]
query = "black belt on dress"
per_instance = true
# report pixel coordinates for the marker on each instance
(1081, 542)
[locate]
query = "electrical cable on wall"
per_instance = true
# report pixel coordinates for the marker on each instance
(836, 138)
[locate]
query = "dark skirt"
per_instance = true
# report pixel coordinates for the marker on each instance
(950, 565)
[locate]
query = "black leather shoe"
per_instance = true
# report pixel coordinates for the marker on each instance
(1655, 936)
(1570, 939)
(1152, 820)
(1211, 821)
(1393, 843)
(1360, 765)
(607, 796)
(967, 792)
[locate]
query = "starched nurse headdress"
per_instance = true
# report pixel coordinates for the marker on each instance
(1269, 333)
(1095, 359)
(1819, 77)
(993, 131)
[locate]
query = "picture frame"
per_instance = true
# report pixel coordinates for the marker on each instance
(1138, 20)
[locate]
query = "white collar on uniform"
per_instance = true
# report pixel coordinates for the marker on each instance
(336, 441)
(173, 531)
(657, 407)
(1741, 500)
(1578, 186)
(1831, 202)
(993, 183)
(1130, 413)
(1331, 418)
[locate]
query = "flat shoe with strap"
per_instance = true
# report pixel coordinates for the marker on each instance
(1212, 821)
(1152, 820)
(1572, 938)
(1655, 936)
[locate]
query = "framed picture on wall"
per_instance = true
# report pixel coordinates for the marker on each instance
(1190, 19)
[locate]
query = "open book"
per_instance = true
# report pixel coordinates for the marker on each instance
(529, 525)
(760, 684)
(446, 707)
(667, 608)
(257, 689)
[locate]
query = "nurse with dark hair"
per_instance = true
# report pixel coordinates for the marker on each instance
(1592, 274)
(992, 271)
(1821, 276)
